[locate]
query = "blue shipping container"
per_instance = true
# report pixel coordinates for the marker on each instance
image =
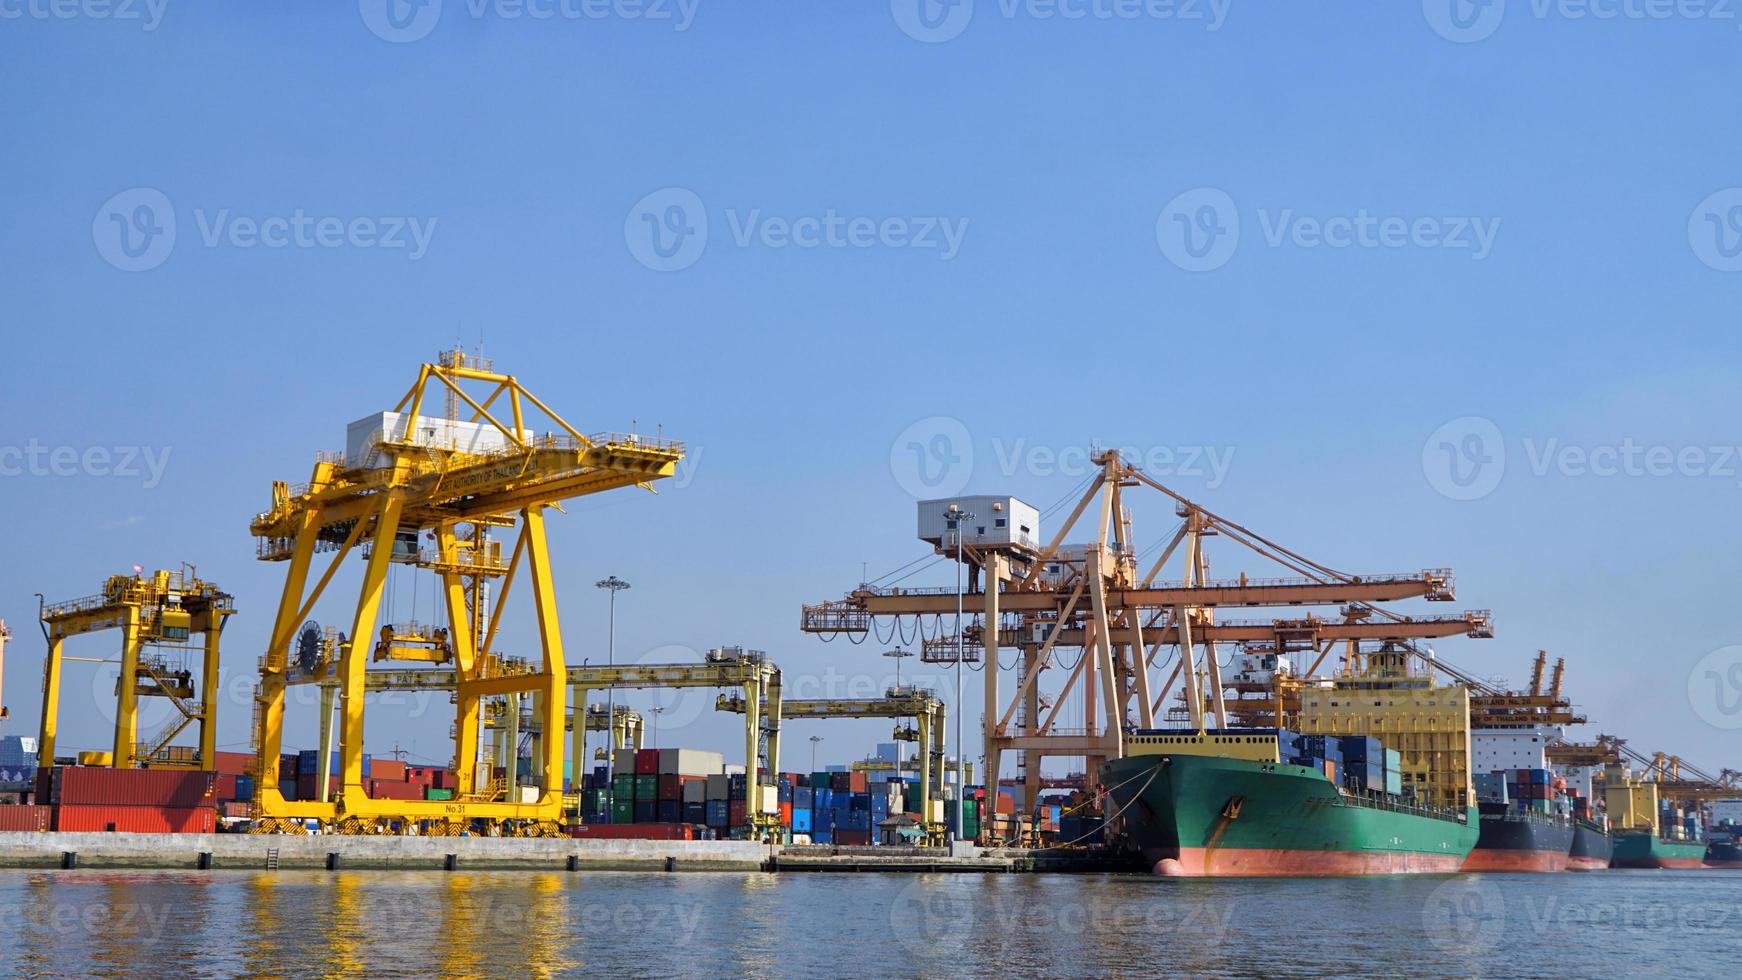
(801, 821)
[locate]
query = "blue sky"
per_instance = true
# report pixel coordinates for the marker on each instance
(1537, 230)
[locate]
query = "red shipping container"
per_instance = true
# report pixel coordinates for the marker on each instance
(25, 817)
(633, 831)
(392, 789)
(223, 787)
(859, 782)
(647, 762)
(93, 785)
(391, 769)
(786, 814)
(136, 819)
(441, 779)
(239, 808)
(735, 813)
(234, 763)
(852, 838)
(670, 786)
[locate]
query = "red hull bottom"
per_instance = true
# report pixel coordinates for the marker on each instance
(1587, 864)
(1254, 862)
(1487, 859)
(1678, 864)
(1721, 864)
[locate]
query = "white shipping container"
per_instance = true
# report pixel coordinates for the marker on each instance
(690, 762)
(623, 762)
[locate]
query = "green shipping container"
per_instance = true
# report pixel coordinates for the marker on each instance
(438, 794)
(623, 811)
(646, 788)
(623, 784)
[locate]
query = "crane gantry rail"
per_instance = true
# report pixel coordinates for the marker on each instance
(407, 473)
(157, 616)
(923, 706)
(1093, 597)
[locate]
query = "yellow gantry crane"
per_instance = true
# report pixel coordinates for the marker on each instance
(157, 615)
(923, 706)
(457, 477)
(749, 671)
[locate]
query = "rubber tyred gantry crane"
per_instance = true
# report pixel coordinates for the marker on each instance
(406, 473)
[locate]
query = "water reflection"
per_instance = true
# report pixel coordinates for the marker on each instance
(478, 924)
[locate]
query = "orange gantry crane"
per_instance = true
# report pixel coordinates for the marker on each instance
(456, 477)
(1044, 600)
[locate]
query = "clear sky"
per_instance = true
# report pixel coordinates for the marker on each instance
(1326, 241)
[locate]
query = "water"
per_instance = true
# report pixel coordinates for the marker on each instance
(1617, 924)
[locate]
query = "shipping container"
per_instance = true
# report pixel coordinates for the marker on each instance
(634, 831)
(130, 787)
(647, 762)
(647, 788)
(234, 763)
(669, 787)
(646, 811)
(432, 793)
(695, 790)
(689, 762)
(25, 817)
(69, 818)
(669, 811)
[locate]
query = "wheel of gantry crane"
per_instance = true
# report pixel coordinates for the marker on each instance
(357, 827)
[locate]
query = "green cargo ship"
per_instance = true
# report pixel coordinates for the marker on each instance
(1221, 803)
(1644, 849)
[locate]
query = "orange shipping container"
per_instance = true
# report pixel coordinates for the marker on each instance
(136, 819)
(234, 763)
(391, 769)
(25, 817)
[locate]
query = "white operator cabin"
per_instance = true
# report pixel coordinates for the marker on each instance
(478, 438)
(997, 522)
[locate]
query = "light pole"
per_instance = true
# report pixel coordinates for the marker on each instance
(656, 711)
(954, 518)
(614, 585)
(898, 655)
(814, 740)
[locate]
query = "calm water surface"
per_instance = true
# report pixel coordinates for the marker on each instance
(1608, 924)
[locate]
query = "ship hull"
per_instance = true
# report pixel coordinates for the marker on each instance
(1592, 849)
(1646, 850)
(1723, 854)
(1215, 816)
(1513, 840)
